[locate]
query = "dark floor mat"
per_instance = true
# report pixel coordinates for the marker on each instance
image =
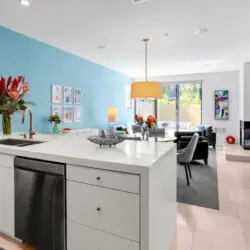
(203, 189)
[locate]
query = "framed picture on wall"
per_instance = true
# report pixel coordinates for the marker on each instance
(67, 114)
(221, 105)
(68, 95)
(77, 114)
(57, 110)
(56, 96)
(77, 96)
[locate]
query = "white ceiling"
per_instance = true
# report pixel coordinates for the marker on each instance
(80, 26)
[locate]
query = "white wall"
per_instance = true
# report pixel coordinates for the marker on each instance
(246, 90)
(212, 82)
(241, 94)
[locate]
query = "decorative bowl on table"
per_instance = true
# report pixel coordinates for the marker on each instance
(65, 130)
(106, 141)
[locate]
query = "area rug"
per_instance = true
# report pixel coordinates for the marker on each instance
(203, 189)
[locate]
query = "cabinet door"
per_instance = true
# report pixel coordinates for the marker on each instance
(7, 200)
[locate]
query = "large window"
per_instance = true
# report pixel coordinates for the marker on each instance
(190, 103)
(179, 109)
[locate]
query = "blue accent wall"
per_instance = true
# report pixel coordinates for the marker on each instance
(44, 65)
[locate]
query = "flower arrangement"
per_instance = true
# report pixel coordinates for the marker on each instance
(139, 120)
(150, 121)
(12, 93)
(55, 118)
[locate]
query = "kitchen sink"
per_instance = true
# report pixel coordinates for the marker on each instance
(18, 142)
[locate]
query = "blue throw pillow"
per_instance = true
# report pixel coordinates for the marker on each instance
(200, 127)
(119, 132)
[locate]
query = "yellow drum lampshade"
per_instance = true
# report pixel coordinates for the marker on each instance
(146, 90)
(112, 113)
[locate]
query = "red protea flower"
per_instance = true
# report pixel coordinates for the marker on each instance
(25, 88)
(14, 85)
(3, 88)
(14, 95)
(19, 79)
(9, 81)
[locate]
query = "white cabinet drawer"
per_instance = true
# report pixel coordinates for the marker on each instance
(7, 160)
(81, 237)
(104, 178)
(105, 209)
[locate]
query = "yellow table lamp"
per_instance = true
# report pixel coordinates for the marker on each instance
(112, 114)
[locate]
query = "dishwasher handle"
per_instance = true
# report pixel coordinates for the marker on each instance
(40, 166)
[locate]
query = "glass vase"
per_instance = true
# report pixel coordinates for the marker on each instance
(6, 123)
(144, 133)
(56, 129)
(147, 134)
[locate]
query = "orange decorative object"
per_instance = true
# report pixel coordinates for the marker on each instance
(230, 139)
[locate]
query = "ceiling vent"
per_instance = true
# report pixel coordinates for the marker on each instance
(138, 1)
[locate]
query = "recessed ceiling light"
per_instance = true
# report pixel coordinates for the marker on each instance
(201, 31)
(25, 2)
(101, 47)
(138, 1)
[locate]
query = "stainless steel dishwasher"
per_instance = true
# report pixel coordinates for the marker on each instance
(40, 212)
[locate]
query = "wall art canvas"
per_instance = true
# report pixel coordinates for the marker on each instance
(221, 105)
(57, 110)
(77, 96)
(56, 94)
(68, 95)
(77, 114)
(67, 114)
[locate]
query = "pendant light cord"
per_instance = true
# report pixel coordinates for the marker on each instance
(146, 61)
(146, 40)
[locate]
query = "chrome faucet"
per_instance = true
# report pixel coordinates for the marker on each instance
(31, 131)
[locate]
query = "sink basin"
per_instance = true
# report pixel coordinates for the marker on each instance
(18, 142)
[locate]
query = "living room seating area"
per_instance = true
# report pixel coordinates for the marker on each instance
(206, 138)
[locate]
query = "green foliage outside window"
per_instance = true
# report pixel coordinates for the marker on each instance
(189, 94)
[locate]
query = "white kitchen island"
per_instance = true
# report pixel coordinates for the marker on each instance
(122, 197)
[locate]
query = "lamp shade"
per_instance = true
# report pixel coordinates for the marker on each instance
(146, 90)
(112, 113)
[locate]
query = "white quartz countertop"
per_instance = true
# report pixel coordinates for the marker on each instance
(131, 156)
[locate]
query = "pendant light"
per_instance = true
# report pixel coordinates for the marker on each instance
(25, 2)
(144, 90)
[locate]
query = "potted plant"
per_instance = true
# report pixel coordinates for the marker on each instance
(12, 93)
(57, 120)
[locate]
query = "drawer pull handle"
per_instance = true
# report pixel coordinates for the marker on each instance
(98, 178)
(98, 209)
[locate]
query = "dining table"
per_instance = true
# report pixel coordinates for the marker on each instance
(165, 138)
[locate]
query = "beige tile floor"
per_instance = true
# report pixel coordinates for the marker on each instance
(227, 229)
(206, 229)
